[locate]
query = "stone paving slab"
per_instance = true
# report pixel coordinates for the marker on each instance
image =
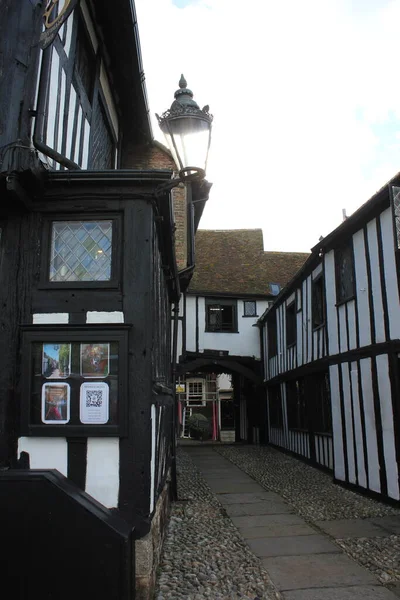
(267, 520)
(354, 528)
(292, 545)
(391, 523)
(248, 498)
(274, 530)
(258, 508)
(316, 571)
(342, 593)
(226, 487)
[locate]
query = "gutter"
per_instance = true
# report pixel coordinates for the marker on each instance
(140, 66)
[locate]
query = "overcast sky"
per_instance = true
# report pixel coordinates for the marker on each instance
(306, 102)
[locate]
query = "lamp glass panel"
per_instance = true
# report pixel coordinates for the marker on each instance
(191, 138)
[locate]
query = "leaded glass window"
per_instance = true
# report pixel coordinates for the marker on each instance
(250, 308)
(221, 315)
(81, 251)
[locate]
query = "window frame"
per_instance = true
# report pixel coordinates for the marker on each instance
(321, 415)
(291, 310)
(275, 402)
(340, 252)
(254, 302)
(189, 402)
(318, 283)
(296, 405)
(116, 253)
(272, 334)
(221, 302)
(32, 334)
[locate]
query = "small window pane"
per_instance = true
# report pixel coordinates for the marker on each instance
(250, 308)
(81, 251)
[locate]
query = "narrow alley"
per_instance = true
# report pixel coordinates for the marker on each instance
(253, 523)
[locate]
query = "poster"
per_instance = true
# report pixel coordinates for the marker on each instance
(56, 360)
(95, 360)
(94, 403)
(55, 403)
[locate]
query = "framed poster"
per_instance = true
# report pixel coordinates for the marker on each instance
(56, 360)
(55, 403)
(94, 403)
(95, 360)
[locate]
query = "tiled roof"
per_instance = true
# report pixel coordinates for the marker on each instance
(234, 262)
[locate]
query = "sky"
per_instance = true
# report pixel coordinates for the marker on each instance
(306, 102)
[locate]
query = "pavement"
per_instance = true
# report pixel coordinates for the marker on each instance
(301, 557)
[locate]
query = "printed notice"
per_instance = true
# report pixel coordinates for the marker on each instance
(55, 403)
(94, 403)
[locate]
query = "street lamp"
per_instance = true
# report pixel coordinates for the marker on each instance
(187, 130)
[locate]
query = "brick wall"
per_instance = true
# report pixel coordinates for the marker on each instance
(153, 156)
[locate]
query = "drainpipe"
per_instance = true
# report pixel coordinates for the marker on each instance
(174, 481)
(40, 115)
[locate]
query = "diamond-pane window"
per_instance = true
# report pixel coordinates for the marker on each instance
(81, 251)
(250, 309)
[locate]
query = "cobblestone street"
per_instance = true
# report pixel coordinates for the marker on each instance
(205, 553)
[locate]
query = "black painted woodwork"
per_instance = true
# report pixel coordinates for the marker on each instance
(59, 543)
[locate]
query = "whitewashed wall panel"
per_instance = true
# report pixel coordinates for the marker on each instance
(277, 437)
(370, 425)
(376, 282)
(337, 424)
(362, 289)
(348, 417)
(342, 317)
(351, 325)
(324, 450)
(358, 433)
(387, 426)
(45, 452)
(102, 470)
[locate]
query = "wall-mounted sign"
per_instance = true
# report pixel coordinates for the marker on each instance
(180, 388)
(55, 14)
(55, 403)
(94, 403)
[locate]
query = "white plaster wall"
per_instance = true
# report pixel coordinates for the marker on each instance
(50, 318)
(102, 470)
(104, 317)
(191, 323)
(362, 294)
(389, 448)
(45, 452)
(244, 343)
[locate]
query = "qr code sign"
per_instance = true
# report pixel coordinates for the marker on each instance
(94, 398)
